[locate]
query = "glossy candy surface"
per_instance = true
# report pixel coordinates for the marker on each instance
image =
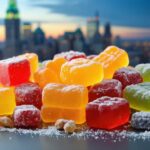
(107, 113)
(112, 58)
(81, 71)
(111, 88)
(128, 76)
(14, 71)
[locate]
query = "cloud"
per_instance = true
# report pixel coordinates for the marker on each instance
(133, 13)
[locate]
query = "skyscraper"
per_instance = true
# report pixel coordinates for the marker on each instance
(12, 24)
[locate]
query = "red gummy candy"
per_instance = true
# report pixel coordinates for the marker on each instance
(112, 88)
(128, 76)
(14, 71)
(29, 94)
(27, 116)
(107, 113)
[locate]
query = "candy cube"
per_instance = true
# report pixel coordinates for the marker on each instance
(81, 71)
(26, 116)
(7, 101)
(111, 88)
(112, 58)
(128, 76)
(107, 113)
(144, 69)
(28, 94)
(14, 71)
(64, 101)
(138, 96)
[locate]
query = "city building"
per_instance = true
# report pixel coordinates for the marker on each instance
(12, 25)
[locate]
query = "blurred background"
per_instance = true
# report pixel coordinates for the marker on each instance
(47, 27)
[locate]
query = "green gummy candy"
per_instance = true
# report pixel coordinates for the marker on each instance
(138, 96)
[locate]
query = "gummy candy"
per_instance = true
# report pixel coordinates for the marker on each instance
(27, 116)
(69, 100)
(44, 76)
(144, 69)
(128, 76)
(107, 113)
(91, 56)
(28, 94)
(7, 101)
(112, 58)
(138, 96)
(111, 88)
(14, 71)
(33, 60)
(81, 71)
(141, 120)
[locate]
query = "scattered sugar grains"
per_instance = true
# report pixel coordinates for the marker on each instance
(84, 133)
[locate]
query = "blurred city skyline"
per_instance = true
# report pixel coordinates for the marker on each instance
(130, 19)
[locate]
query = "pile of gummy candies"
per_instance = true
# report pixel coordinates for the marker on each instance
(99, 90)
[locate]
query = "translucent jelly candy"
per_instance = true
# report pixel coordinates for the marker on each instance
(7, 101)
(14, 71)
(29, 94)
(141, 120)
(107, 113)
(144, 69)
(138, 96)
(112, 88)
(69, 100)
(128, 76)
(26, 116)
(44, 76)
(112, 58)
(71, 55)
(33, 59)
(81, 71)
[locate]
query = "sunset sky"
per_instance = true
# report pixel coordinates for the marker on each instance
(129, 18)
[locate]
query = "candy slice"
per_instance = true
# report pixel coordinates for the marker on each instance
(26, 116)
(65, 96)
(128, 76)
(112, 58)
(81, 71)
(144, 69)
(14, 71)
(107, 113)
(29, 94)
(111, 88)
(141, 120)
(138, 96)
(7, 101)
(51, 114)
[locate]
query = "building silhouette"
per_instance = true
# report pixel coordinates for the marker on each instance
(12, 25)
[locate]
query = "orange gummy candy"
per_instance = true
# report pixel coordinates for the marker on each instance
(112, 58)
(81, 71)
(64, 101)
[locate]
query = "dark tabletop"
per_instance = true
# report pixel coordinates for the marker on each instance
(16, 141)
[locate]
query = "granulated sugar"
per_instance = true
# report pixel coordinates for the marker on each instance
(84, 133)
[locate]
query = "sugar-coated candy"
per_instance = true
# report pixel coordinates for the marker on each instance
(141, 120)
(128, 76)
(59, 124)
(107, 112)
(144, 69)
(51, 114)
(138, 96)
(112, 58)
(91, 56)
(81, 71)
(65, 96)
(7, 101)
(70, 127)
(44, 76)
(33, 60)
(26, 116)
(111, 88)
(6, 122)
(28, 94)
(14, 71)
